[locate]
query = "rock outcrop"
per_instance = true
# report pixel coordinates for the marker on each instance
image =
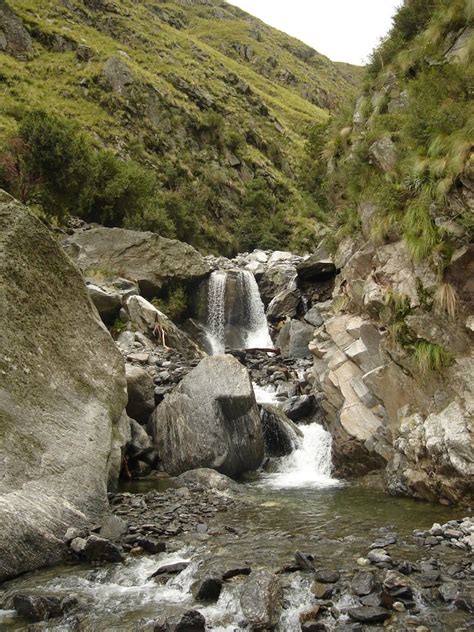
(61, 399)
(210, 420)
(150, 260)
(14, 38)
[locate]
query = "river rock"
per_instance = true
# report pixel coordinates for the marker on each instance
(368, 614)
(37, 607)
(299, 407)
(141, 393)
(146, 257)
(191, 621)
(280, 434)
(283, 305)
(208, 478)
(261, 600)
(363, 583)
(210, 420)
(97, 549)
(62, 370)
(208, 589)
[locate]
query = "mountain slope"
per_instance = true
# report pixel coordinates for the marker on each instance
(209, 99)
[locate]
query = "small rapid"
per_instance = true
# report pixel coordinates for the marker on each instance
(309, 465)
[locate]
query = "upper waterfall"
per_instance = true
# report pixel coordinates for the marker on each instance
(235, 312)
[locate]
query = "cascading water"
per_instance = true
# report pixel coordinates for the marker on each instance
(307, 466)
(216, 311)
(257, 333)
(236, 315)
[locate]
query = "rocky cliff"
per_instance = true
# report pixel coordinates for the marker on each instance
(62, 395)
(394, 358)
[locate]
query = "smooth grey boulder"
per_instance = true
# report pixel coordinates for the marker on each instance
(141, 393)
(280, 434)
(62, 395)
(210, 420)
(210, 479)
(261, 600)
(313, 317)
(276, 278)
(146, 257)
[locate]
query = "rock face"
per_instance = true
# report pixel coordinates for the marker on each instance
(147, 258)
(434, 457)
(62, 395)
(14, 38)
(210, 420)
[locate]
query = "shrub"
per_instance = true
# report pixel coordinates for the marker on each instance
(431, 357)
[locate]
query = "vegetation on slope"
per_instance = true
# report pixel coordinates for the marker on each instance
(185, 117)
(406, 146)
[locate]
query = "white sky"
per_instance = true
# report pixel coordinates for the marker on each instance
(343, 30)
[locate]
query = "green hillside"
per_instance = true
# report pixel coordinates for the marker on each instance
(210, 107)
(400, 160)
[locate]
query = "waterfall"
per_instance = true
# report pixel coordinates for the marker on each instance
(235, 312)
(257, 332)
(216, 311)
(309, 465)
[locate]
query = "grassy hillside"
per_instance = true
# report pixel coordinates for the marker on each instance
(403, 153)
(213, 104)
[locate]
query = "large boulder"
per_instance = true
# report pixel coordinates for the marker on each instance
(147, 258)
(313, 268)
(280, 434)
(210, 420)
(61, 397)
(294, 338)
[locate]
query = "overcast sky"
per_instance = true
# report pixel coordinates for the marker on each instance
(343, 30)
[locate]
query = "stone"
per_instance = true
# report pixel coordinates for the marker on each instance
(261, 600)
(209, 479)
(113, 528)
(275, 279)
(384, 154)
(327, 576)
(208, 589)
(191, 621)
(116, 75)
(367, 614)
(37, 607)
(294, 338)
(98, 549)
(151, 260)
(141, 393)
(107, 303)
(314, 269)
(313, 317)
(322, 591)
(150, 545)
(363, 583)
(433, 457)
(170, 569)
(14, 38)
(283, 305)
(210, 420)
(379, 556)
(304, 561)
(146, 318)
(54, 472)
(299, 407)
(280, 434)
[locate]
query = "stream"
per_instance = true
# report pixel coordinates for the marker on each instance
(299, 507)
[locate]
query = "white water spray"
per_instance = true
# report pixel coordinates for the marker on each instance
(253, 322)
(307, 466)
(216, 311)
